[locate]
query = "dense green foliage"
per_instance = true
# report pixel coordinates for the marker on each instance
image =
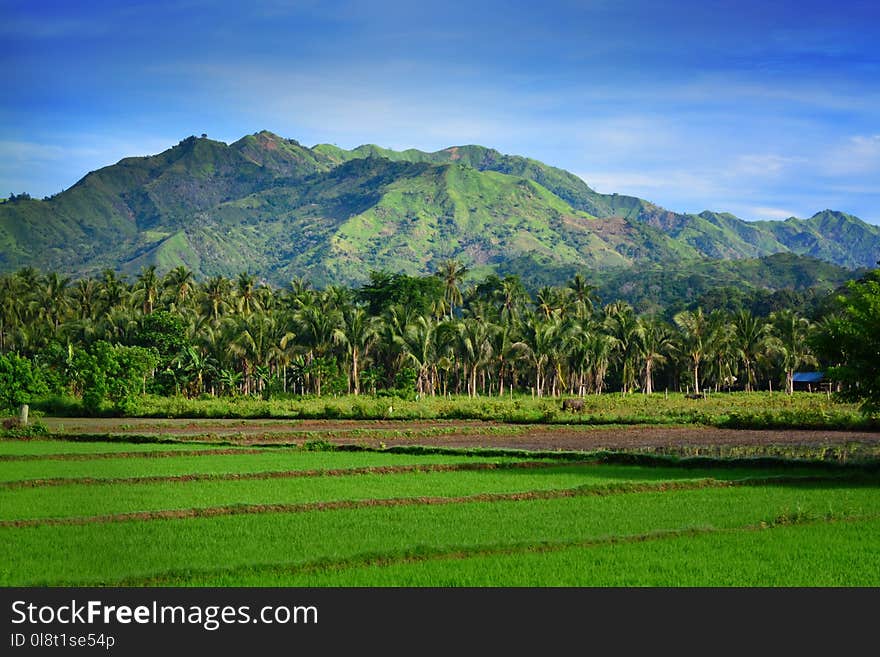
(20, 381)
(280, 210)
(851, 342)
(104, 342)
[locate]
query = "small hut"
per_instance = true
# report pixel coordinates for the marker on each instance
(810, 382)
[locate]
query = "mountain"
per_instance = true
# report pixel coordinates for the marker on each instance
(278, 209)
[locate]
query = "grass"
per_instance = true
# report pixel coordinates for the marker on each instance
(759, 410)
(168, 511)
(170, 552)
(103, 499)
(268, 460)
(815, 554)
(15, 448)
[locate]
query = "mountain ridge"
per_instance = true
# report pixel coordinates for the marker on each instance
(272, 206)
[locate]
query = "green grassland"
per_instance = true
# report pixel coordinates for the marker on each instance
(13, 449)
(828, 554)
(100, 499)
(758, 410)
(296, 516)
(229, 462)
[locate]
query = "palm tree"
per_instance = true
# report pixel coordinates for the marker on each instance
(197, 365)
(12, 302)
(539, 338)
(506, 350)
(512, 297)
(114, 292)
(475, 349)
(315, 329)
(749, 340)
(250, 338)
(215, 297)
(86, 296)
(601, 348)
(621, 323)
(452, 274)
(584, 295)
(654, 342)
(790, 341)
(146, 289)
(53, 299)
(417, 341)
(694, 328)
(178, 285)
(358, 332)
(246, 297)
(723, 351)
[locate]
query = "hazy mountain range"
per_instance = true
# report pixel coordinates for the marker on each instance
(278, 209)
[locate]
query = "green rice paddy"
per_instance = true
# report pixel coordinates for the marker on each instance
(102, 514)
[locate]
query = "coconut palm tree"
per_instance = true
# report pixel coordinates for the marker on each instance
(215, 297)
(601, 348)
(749, 341)
(475, 349)
(452, 274)
(417, 342)
(539, 340)
(178, 285)
(694, 339)
(584, 295)
(358, 332)
(506, 350)
(53, 299)
(114, 292)
(247, 299)
(86, 296)
(146, 290)
(653, 342)
(790, 342)
(723, 351)
(621, 323)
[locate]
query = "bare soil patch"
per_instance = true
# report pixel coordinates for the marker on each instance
(461, 433)
(579, 438)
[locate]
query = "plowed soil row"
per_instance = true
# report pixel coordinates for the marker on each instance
(234, 426)
(472, 434)
(572, 438)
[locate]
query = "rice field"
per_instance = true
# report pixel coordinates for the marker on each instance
(191, 514)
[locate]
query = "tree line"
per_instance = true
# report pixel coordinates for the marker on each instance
(108, 340)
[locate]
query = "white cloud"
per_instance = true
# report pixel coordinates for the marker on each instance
(769, 213)
(762, 164)
(859, 154)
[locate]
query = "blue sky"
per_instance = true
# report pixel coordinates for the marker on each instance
(764, 109)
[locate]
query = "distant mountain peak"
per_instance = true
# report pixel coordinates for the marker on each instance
(270, 205)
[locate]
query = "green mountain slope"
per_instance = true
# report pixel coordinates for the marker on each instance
(276, 208)
(377, 214)
(831, 236)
